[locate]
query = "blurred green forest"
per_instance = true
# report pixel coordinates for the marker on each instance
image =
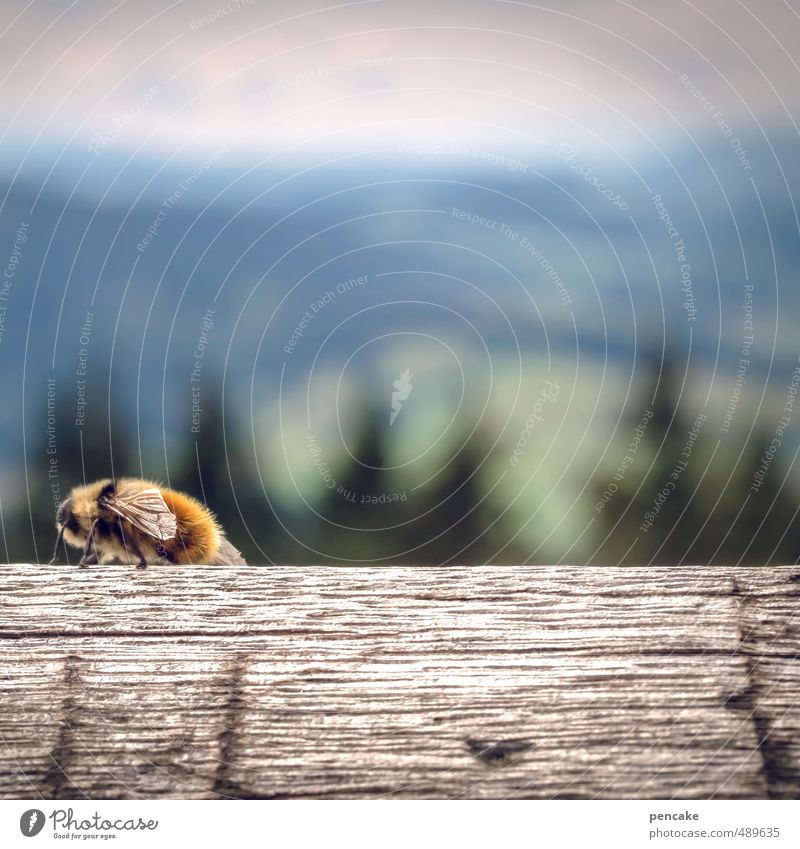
(459, 515)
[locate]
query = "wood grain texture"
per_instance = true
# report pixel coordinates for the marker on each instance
(488, 682)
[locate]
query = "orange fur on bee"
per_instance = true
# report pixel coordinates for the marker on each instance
(197, 538)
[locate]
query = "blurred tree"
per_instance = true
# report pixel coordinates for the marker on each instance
(454, 517)
(217, 465)
(620, 526)
(753, 527)
(367, 515)
(711, 516)
(362, 503)
(461, 517)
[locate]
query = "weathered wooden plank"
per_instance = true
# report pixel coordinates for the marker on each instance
(545, 605)
(488, 682)
(192, 720)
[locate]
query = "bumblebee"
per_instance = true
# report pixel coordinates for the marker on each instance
(137, 521)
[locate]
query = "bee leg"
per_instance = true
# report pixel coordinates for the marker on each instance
(86, 559)
(130, 546)
(59, 540)
(142, 564)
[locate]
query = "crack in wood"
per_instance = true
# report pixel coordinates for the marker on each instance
(498, 752)
(609, 650)
(56, 780)
(781, 774)
(223, 785)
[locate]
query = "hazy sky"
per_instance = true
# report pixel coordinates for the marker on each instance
(383, 73)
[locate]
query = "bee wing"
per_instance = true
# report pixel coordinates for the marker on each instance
(147, 511)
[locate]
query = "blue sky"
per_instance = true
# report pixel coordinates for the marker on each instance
(388, 74)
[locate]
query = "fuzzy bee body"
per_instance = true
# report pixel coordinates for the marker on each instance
(133, 520)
